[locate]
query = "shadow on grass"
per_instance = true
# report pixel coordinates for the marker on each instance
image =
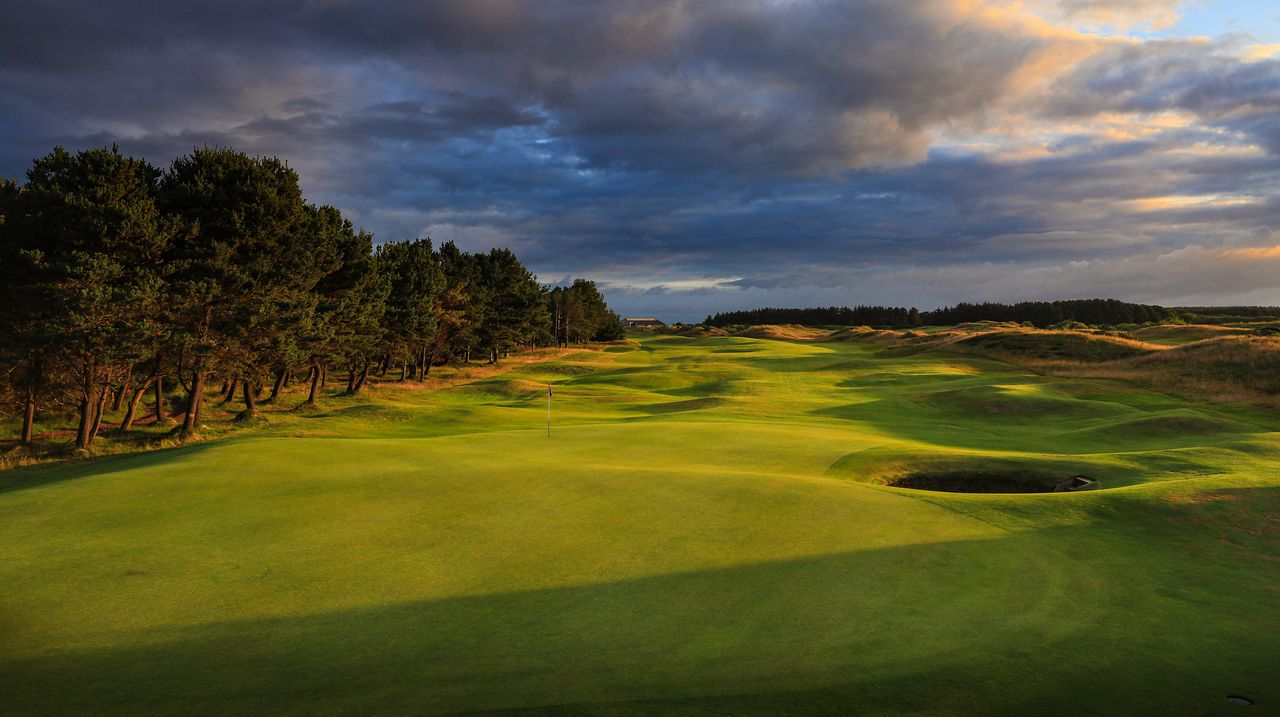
(34, 476)
(966, 627)
(692, 404)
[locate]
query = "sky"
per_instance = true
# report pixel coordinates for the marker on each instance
(695, 156)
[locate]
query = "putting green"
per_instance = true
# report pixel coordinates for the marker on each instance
(703, 533)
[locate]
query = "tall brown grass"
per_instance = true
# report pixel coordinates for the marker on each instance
(1231, 369)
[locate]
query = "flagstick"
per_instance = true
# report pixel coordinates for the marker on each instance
(548, 411)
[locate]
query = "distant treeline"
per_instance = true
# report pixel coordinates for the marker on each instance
(117, 278)
(1038, 313)
(828, 316)
(1226, 314)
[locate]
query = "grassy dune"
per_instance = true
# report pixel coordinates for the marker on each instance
(1177, 335)
(707, 531)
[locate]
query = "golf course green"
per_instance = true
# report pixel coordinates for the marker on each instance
(709, 529)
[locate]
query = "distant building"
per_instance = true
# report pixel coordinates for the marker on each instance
(638, 322)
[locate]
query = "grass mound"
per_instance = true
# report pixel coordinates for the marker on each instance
(363, 411)
(784, 332)
(622, 347)
(703, 332)
(1177, 335)
(691, 404)
(983, 326)
(1017, 401)
(1185, 429)
(866, 334)
(505, 387)
(1179, 425)
(1051, 345)
(1249, 359)
(557, 368)
(1230, 369)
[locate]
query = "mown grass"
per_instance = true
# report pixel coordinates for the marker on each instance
(705, 532)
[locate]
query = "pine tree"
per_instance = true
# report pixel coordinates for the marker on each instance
(416, 281)
(90, 226)
(514, 311)
(351, 304)
(241, 278)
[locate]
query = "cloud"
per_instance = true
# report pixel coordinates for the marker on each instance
(1224, 84)
(756, 86)
(714, 152)
(1152, 14)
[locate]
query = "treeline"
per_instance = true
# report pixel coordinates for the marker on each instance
(1038, 313)
(118, 279)
(1047, 313)
(1227, 314)
(822, 316)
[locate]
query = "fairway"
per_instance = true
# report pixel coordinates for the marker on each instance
(706, 531)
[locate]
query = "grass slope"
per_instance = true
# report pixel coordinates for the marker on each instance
(705, 532)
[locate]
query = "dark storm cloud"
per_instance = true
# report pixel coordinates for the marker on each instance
(718, 84)
(710, 152)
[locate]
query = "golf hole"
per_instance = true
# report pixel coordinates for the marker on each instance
(1238, 700)
(970, 481)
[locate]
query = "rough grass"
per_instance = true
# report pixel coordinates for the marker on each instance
(867, 334)
(702, 332)
(1231, 368)
(705, 532)
(1234, 369)
(1024, 344)
(786, 332)
(1176, 335)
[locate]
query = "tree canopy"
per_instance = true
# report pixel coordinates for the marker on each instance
(117, 277)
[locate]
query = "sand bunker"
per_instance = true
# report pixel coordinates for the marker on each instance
(978, 482)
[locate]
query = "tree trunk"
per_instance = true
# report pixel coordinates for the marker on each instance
(315, 380)
(28, 416)
(127, 422)
(287, 375)
(181, 368)
(97, 414)
(159, 398)
(250, 402)
(431, 359)
(404, 370)
(120, 392)
(324, 376)
(82, 430)
(364, 376)
(34, 371)
(231, 391)
(200, 407)
(88, 400)
(194, 398)
(351, 377)
(279, 384)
